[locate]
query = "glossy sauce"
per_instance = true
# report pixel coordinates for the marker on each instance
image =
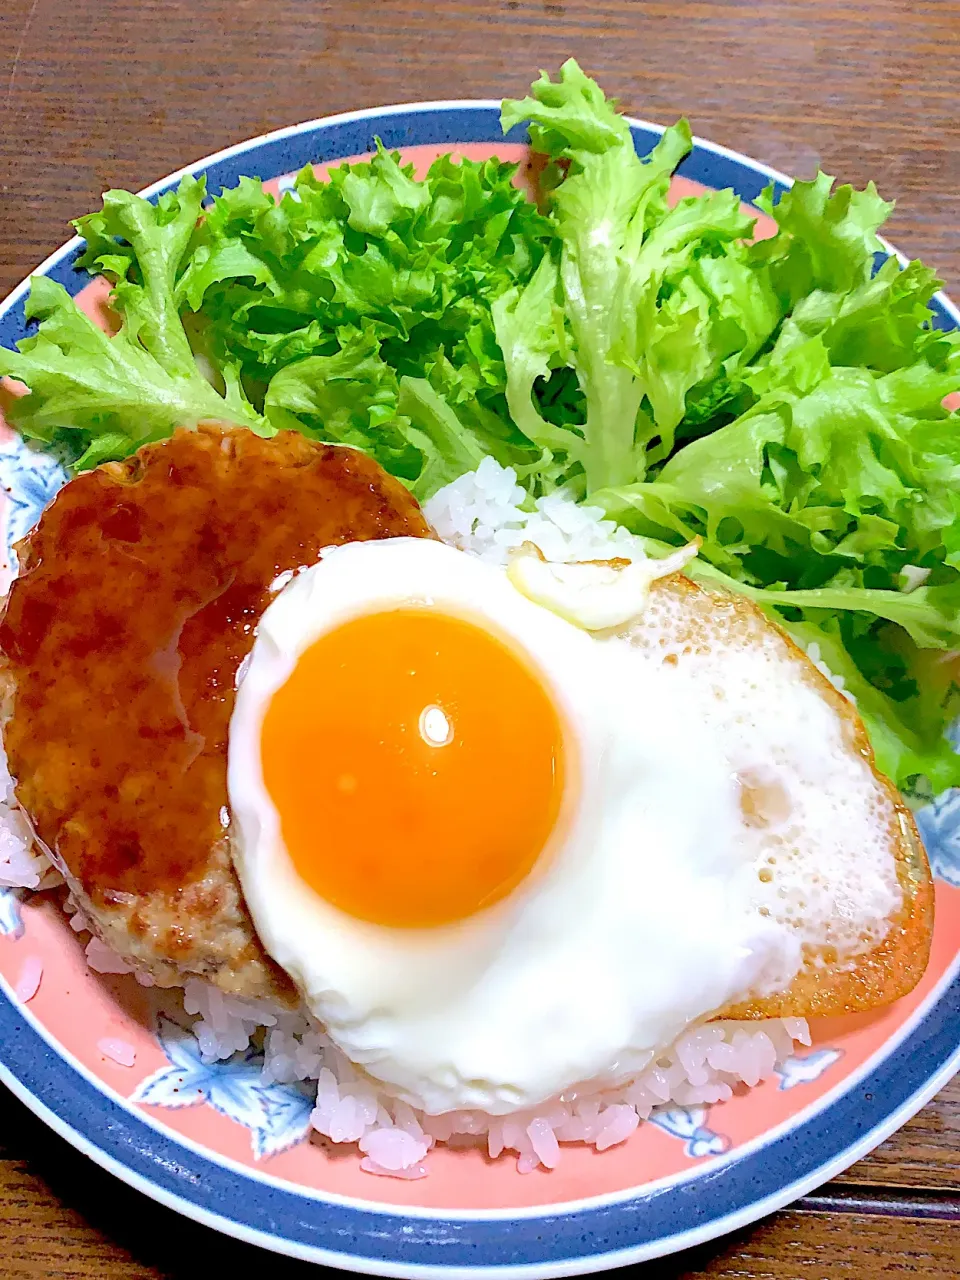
(138, 599)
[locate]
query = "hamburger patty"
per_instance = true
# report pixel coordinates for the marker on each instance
(138, 598)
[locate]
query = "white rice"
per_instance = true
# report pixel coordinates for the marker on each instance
(22, 866)
(28, 983)
(482, 513)
(838, 682)
(704, 1066)
(119, 1051)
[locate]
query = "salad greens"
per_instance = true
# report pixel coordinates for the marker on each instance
(107, 396)
(782, 400)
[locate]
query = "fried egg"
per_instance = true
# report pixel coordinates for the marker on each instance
(499, 857)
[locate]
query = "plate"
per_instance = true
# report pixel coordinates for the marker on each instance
(220, 1146)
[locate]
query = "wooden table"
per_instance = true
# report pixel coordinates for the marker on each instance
(101, 93)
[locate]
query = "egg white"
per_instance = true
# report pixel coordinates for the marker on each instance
(639, 922)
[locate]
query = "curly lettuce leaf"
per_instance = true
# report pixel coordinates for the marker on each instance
(827, 239)
(349, 398)
(415, 263)
(647, 301)
(108, 395)
(834, 470)
(355, 398)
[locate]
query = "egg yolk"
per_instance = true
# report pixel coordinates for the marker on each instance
(416, 764)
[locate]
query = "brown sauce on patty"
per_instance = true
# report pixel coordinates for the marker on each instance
(138, 598)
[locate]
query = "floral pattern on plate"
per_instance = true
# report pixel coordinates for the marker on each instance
(939, 827)
(11, 921)
(689, 1125)
(30, 479)
(804, 1068)
(277, 1115)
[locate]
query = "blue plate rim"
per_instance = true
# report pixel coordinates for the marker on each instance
(579, 1240)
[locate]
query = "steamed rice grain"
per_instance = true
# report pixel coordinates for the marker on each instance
(704, 1066)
